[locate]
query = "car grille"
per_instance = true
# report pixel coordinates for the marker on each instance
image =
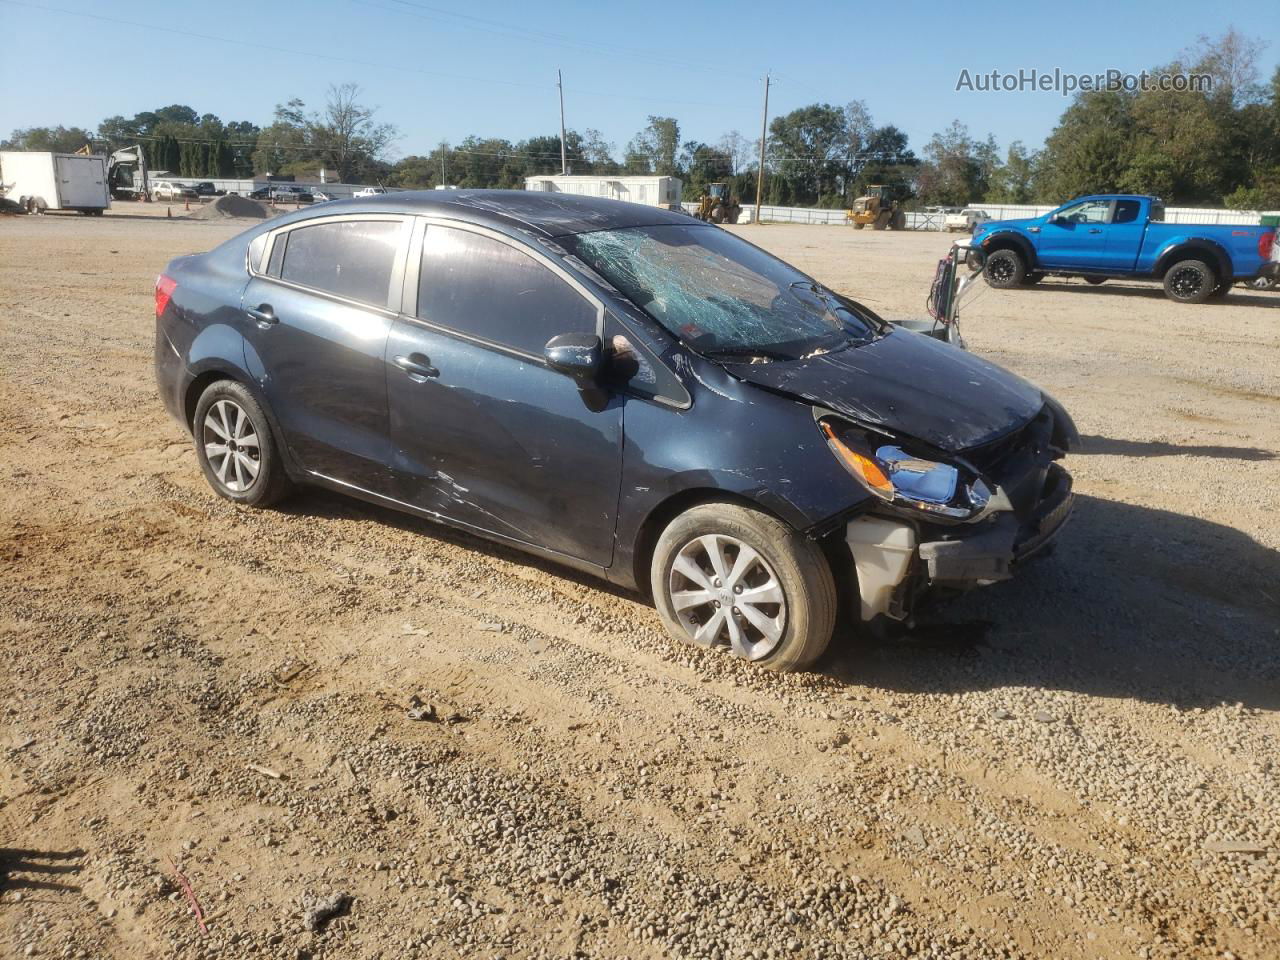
(1017, 461)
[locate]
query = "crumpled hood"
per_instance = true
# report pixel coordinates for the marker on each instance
(908, 383)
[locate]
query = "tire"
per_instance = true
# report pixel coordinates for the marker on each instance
(782, 636)
(898, 221)
(717, 214)
(881, 222)
(1263, 283)
(1189, 281)
(1095, 281)
(238, 475)
(858, 226)
(1005, 269)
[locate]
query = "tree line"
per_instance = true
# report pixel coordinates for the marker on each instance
(1220, 145)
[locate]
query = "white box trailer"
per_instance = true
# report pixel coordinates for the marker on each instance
(55, 181)
(652, 191)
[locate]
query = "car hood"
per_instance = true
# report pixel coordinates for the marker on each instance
(907, 383)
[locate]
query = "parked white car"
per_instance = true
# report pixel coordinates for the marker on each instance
(370, 192)
(966, 220)
(174, 191)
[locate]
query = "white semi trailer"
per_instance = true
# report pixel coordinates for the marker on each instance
(55, 181)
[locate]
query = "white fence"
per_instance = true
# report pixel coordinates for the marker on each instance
(934, 221)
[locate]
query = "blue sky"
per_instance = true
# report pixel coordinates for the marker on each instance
(439, 69)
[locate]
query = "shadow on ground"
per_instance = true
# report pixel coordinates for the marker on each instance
(1239, 296)
(28, 869)
(1114, 446)
(1132, 602)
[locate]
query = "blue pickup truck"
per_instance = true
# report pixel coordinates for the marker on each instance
(1122, 235)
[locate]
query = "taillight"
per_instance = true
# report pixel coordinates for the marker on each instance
(1265, 242)
(164, 290)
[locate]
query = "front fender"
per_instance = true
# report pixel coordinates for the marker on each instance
(1006, 238)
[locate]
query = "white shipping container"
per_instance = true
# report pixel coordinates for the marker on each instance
(55, 181)
(651, 191)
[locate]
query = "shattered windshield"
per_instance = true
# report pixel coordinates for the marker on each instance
(720, 295)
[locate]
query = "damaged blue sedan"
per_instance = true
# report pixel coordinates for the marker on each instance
(621, 389)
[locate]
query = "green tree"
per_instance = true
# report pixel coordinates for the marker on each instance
(655, 148)
(52, 139)
(808, 148)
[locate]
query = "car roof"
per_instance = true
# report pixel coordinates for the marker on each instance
(551, 214)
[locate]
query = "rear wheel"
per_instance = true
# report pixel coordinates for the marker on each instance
(725, 575)
(899, 220)
(235, 447)
(1189, 281)
(1005, 269)
(882, 222)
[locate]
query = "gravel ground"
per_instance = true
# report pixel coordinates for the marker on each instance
(349, 733)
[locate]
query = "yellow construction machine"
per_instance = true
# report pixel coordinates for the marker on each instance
(717, 205)
(877, 208)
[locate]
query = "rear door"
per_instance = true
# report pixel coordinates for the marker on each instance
(80, 182)
(323, 301)
(484, 433)
(1124, 235)
(1076, 236)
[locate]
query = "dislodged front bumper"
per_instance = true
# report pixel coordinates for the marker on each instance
(894, 565)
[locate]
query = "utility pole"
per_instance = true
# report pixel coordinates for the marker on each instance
(564, 160)
(444, 181)
(764, 130)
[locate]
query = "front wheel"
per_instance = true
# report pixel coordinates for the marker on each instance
(1005, 269)
(1189, 281)
(235, 447)
(725, 575)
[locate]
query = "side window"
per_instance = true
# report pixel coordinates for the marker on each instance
(1090, 211)
(488, 289)
(350, 258)
(1126, 211)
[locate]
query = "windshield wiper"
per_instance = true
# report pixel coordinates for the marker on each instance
(734, 353)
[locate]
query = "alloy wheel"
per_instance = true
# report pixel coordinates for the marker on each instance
(724, 592)
(1186, 282)
(1000, 270)
(231, 446)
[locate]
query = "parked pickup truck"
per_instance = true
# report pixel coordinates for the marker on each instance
(1121, 235)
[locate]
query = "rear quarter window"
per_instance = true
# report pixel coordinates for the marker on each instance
(350, 258)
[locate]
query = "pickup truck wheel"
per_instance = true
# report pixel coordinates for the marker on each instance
(725, 575)
(1189, 281)
(1262, 283)
(1005, 269)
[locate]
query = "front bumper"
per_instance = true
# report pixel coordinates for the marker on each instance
(898, 562)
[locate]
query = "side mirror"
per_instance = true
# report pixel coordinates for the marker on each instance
(577, 355)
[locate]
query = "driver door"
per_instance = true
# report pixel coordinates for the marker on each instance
(1076, 236)
(483, 432)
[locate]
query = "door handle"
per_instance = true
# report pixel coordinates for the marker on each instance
(263, 314)
(1096, 230)
(419, 369)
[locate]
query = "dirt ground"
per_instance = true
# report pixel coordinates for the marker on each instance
(1084, 762)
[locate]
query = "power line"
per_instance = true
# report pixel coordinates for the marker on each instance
(333, 58)
(501, 28)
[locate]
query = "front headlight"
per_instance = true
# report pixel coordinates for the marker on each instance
(898, 477)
